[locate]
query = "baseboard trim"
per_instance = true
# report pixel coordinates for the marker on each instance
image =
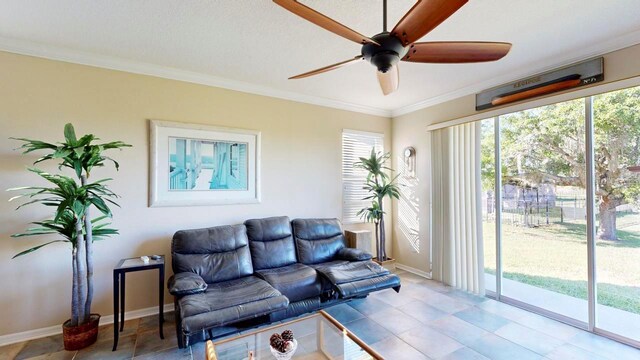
(413, 270)
(57, 329)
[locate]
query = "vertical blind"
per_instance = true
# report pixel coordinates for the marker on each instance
(456, 214)
(356, 144)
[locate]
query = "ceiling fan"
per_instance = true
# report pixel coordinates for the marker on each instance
(386, 49)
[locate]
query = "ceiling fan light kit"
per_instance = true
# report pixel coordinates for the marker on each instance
(386, 49)
(385, 55)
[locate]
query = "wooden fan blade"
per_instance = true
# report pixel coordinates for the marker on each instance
(323, 21)
(390, 80)
(423, 17)
(326, 68)
(456, 52)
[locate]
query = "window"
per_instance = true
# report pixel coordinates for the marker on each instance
(356, 144)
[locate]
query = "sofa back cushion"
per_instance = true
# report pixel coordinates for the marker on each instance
(317, 240)
(217, 254)
(271, 242)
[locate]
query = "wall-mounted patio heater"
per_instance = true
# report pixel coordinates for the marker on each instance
(572, 76)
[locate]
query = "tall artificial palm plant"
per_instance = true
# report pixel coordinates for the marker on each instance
(379, 185)
(72, 202)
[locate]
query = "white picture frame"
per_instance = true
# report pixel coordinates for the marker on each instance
(196, 165)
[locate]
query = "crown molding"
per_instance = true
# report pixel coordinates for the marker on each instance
(137, 67)
(621, 42)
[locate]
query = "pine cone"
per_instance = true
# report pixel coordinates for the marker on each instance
(274, 338)
(278, 343)
(287, 335)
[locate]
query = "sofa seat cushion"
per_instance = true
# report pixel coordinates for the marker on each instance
(329, 264)
(327, 286)
(295, 281)
(351, 254)
(228, 302)
(359, 278)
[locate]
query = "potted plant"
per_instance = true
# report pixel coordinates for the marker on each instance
(72, 222)
(379, 185)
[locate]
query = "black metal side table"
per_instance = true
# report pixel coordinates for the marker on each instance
(129, 265)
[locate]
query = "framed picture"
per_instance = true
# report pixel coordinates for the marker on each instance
(203, 165)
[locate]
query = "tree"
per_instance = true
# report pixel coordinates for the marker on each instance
(546, 145)
(487, 155)
(617, 138)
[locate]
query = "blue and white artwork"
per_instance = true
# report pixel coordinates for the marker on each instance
(197, 164)
(206, 165)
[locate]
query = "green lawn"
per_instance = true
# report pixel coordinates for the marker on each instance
(554, 257)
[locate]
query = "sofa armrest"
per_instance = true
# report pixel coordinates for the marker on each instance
(186, 283)
(351, 254)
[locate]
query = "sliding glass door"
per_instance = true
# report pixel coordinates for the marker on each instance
(617, 168)
(541, 251)
(544, 240)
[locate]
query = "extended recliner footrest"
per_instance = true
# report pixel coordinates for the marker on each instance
(359, 278)
(366, 286)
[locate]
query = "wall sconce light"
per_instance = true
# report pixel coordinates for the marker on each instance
(410, 161)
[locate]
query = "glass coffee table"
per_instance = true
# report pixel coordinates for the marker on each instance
(319, 336)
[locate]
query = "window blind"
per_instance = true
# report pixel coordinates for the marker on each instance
(356, 144)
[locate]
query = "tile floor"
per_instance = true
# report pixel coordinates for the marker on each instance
(425, 321)
(609, 318)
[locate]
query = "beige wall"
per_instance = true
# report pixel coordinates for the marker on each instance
(301, 171)
(411, 130)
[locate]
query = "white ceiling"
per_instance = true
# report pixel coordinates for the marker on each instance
(255, 45)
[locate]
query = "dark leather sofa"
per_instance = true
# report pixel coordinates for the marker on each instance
(230, 278)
